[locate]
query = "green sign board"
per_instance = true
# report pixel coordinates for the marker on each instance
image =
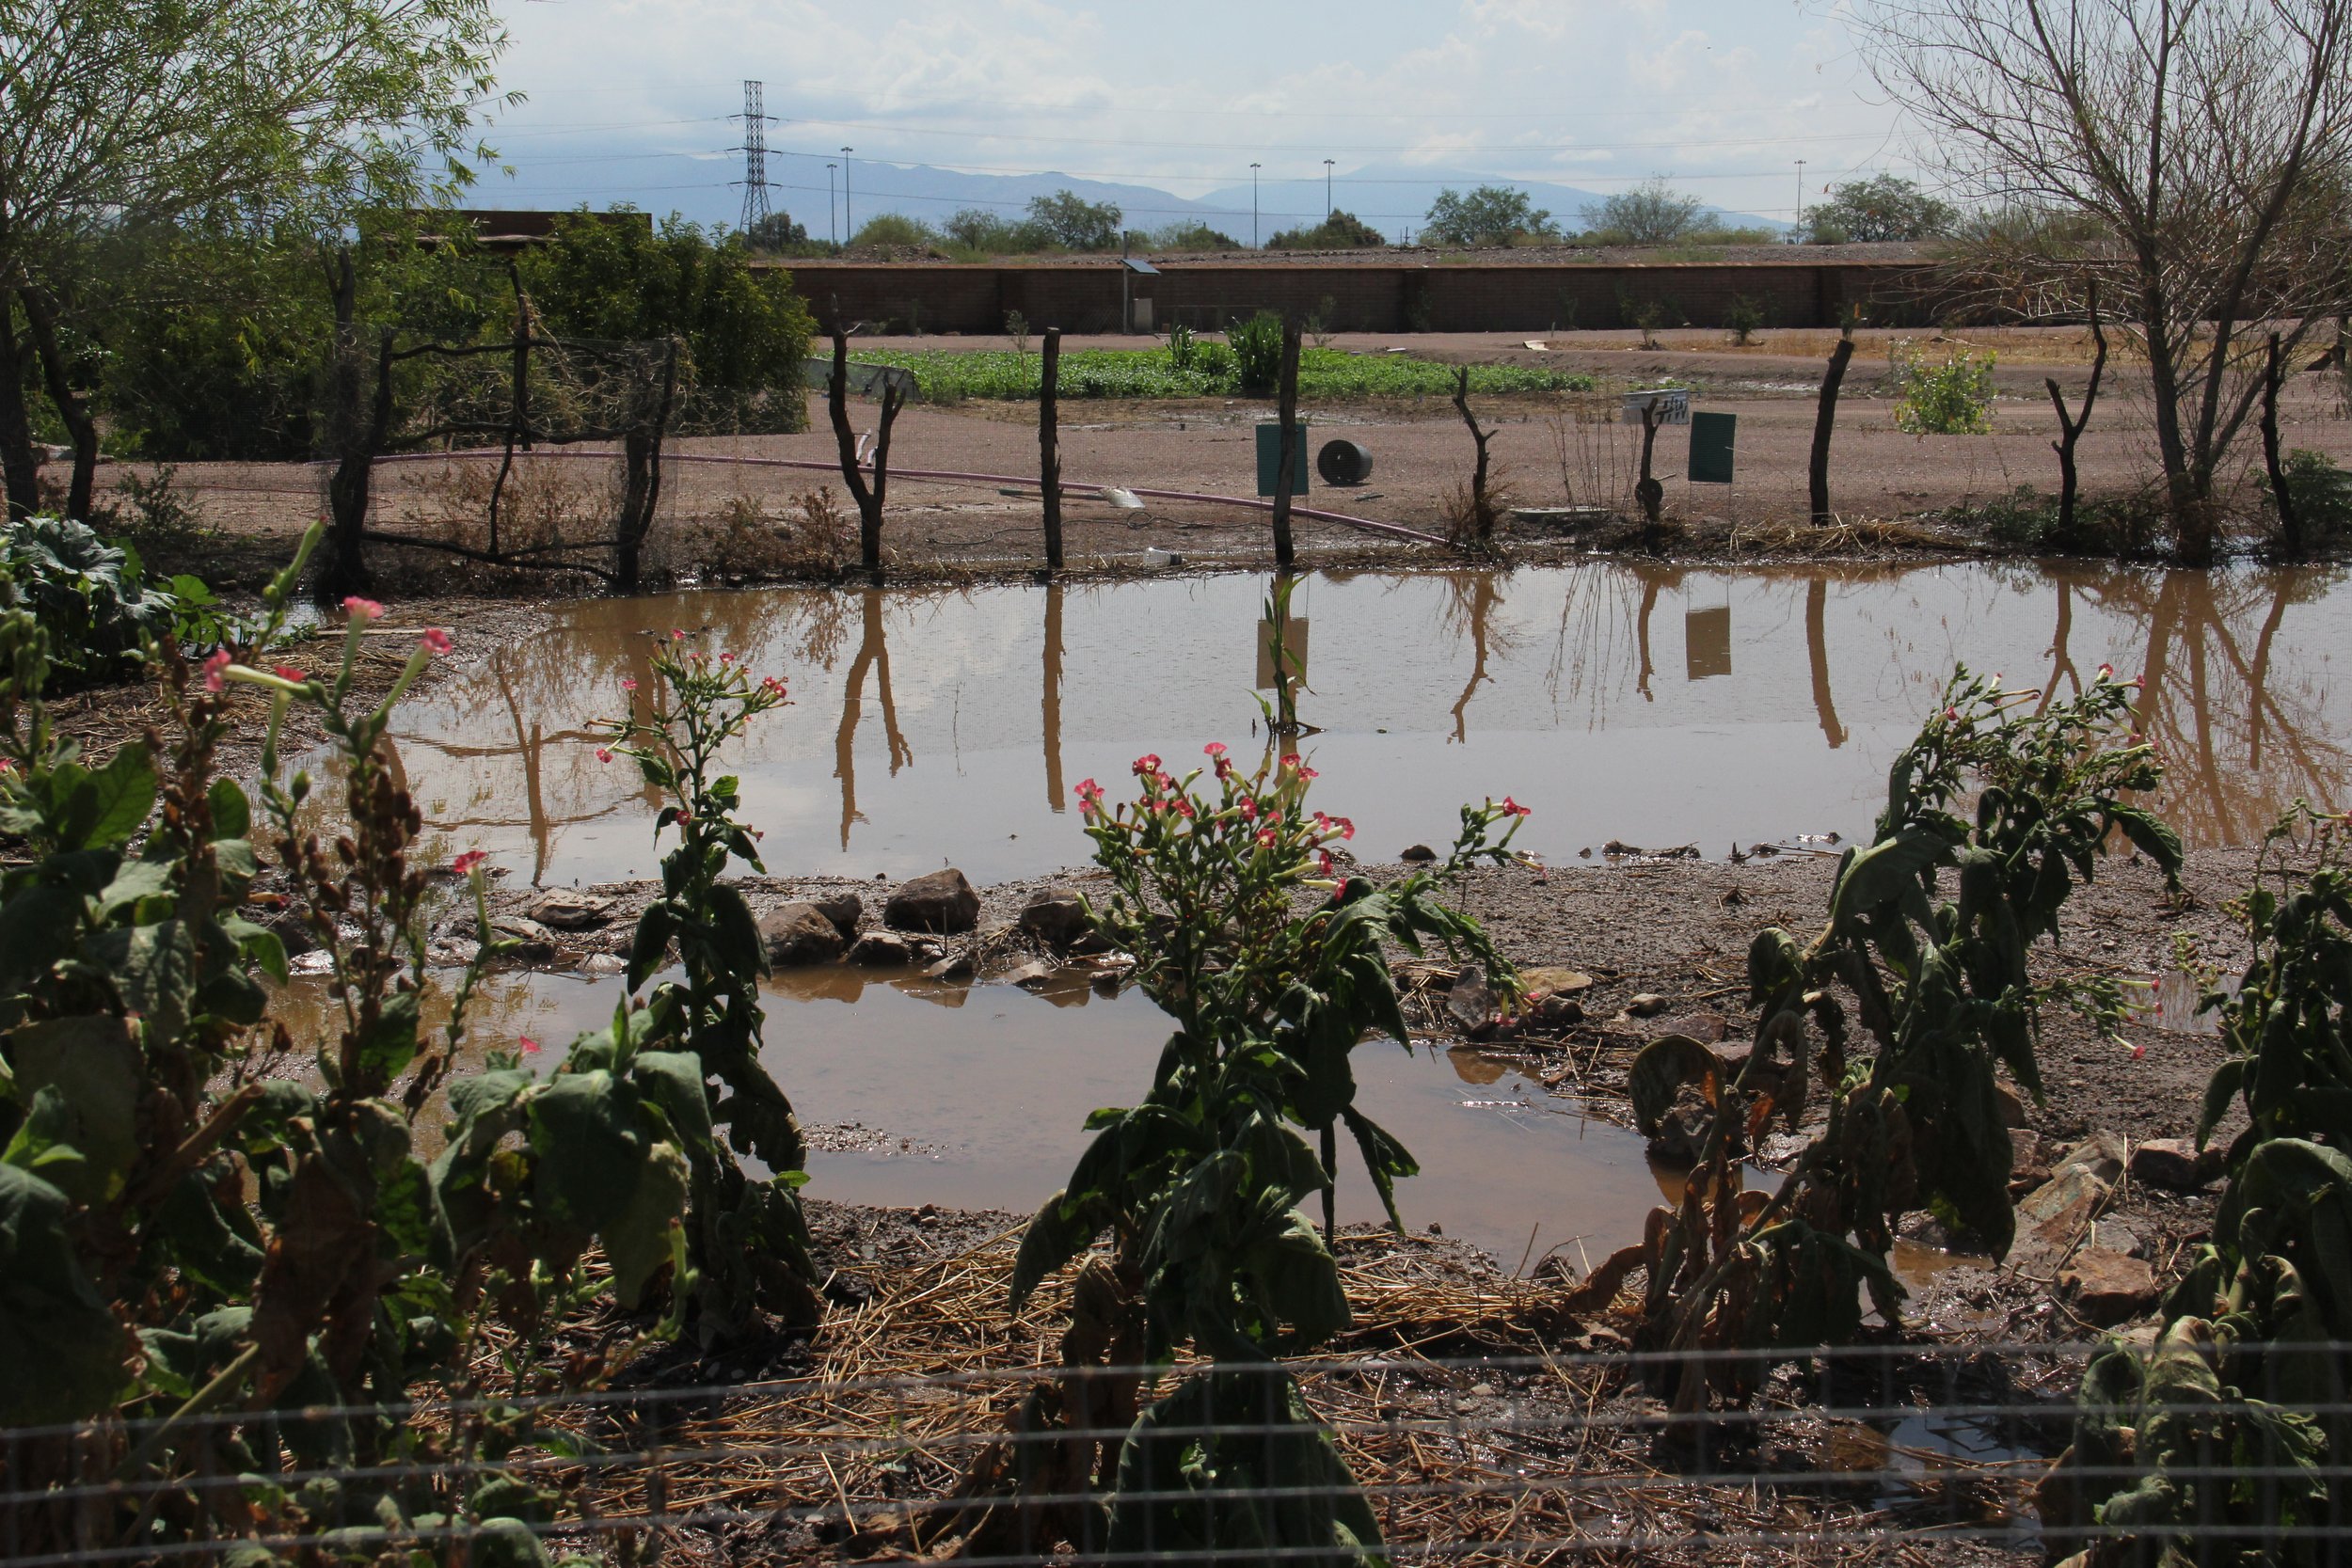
(1270, 458)
(1713, 438)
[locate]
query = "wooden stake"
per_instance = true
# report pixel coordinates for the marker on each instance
(1048, 437)
(2071, 425)
(1286, 410)
(1825, 421)
(2289, 525)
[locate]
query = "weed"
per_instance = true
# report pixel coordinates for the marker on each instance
(2321, 494)
(1194, 368)
(1745, 317)
(160, 512)
(1183, 350)
(1952, 396)
(1017, 329)
(1257, 345)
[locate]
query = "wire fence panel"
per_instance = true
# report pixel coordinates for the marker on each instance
(1893, 1452)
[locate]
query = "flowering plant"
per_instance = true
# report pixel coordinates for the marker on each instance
(1272, 960)
(749, 1237)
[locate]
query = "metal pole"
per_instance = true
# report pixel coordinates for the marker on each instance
(1126, 283)
(1326, 190)
(1800, 192)
(832, 213)
(1254, 243)
(849, 228)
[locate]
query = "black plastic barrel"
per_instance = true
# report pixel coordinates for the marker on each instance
(1343, 462)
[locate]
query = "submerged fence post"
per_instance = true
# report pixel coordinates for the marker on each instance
(2071, 425)
(1825, 420)
(2289, 525)
(1286, 412)
(1048, 439)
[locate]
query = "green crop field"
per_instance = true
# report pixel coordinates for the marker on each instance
(1213, 372)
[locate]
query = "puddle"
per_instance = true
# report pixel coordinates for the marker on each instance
(976, 1097)
(1654, 704)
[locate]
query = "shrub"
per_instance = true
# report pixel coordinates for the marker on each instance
(1257, 345)
(157, 509)
(1651, 213)
(1952, 396)
(1193, 235)
(1271, 964)
(987, 233)
(2321, 494)
(1886, 208)
(1069, 220)
(894, 231)
(1341, 230)
(1489, 215)
(95, 609)
(1745, 317)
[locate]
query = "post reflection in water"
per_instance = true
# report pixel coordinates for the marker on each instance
(1430, 690)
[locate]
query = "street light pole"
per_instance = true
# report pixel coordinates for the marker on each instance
(1326, 190)
(832, 213)
(1800, 192)
(1253, 206)
(849, 228)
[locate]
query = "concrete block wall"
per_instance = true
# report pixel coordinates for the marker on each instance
(1363, 297)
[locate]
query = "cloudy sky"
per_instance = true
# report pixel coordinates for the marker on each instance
(630, 99)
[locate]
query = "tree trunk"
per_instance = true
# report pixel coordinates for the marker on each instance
(1647, 490)
(1825, 424)
(641, 491)
(42, 317)
(2291, 542)
(1048, 450)
(868, 498)
(1286, 411)
(1482, 509)
(342, 564)
(2071, 425)
(19, 466)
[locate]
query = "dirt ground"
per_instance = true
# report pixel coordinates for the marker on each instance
(1421, 457)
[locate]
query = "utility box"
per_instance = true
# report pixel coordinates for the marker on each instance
(1713, 436)
(1270, 458)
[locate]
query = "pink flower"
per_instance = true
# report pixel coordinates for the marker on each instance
(1291, 760)
(1952, 716)
(435, 640)
(1147, 765)
(212, 668)
(1213, 748)
(1248, 809)
(629, 685)
(1183, 809)
(1265, 838)
(2106, 671)
(465, 863)
(1089, 790)
(1347, 828)
(604, 753)
(2139, 1053)
(773, 686)
(287, 672)
(1512, 808)
(726, 658)
(1272, 817)
(1224, 768)
(677, 636)
(1327, 865)
(362, 609)
(531, 1047)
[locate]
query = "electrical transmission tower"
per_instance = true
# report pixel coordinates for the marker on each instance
(754, 154)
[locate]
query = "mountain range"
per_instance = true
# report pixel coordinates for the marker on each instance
(707, 188)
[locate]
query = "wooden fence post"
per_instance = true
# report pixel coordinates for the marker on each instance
(868, 498)
(1825, 420)
(1048, 439)
(1286, 411)
(2289, 525)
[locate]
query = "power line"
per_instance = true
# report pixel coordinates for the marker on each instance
(754, 155)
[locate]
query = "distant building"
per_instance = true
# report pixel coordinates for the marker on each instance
(512, 228)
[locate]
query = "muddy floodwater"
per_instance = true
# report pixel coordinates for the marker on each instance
(1655, 706)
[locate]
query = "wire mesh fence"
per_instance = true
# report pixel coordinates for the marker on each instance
(1898, 1451)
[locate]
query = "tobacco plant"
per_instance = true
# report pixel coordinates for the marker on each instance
(186, 1230)
(1935, 974)
(750, 1237)
(2208, 1448)
(1273, 965)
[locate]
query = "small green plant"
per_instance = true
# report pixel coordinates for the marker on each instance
(1745, 317)
(1272, 964)
(1257, 345)
(1017, 329)
(158, 511)
(1647, 316)
(1942, 992)
(2321, 494)
(749, 1237)
(1951, 396)
(1183, 350)
(2207, 1447)
(91, 598)
(1274, 618)
(1318, 326)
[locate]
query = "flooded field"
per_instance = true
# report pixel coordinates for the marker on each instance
(1655, 705)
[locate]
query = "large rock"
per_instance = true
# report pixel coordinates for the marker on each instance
(2054, 1218)
(567, 910)
(941, 901)
(2101, 1154)
(1545, 980)
(882, 950)
(2175, 1164)
(1056, 919)
(845, 910)
(2108, 1287)
(1471, 1002)
(534, 943)
(2012, 1104)
(797, 936)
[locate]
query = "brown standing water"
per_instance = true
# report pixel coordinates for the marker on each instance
(1658, 705)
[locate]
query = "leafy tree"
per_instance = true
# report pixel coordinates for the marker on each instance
(1887, 208)
(995, 235)
(1073, 223)
(126, 107)
(1193, 236)
(1489, 215)
(774, 233)
(1651, 213)
(894, 231)
(1341, 230)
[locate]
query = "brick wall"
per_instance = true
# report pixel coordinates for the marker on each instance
(1363, 297)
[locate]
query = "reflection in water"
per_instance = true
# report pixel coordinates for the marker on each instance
(1431, 689)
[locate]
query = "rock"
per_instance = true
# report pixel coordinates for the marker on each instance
(2053, 1217)
(845, 910)
(939, 901)
(2024, 1150)
(2175, 1164)
(603, 963)
(1472, 1003)
(1559, 1012)
(1706, 1028)
(535, 943)
(799, 936)
(1646, 1005)
(2101, 1154)
(2108, 1287)
(291, 926)
(1553, 982)
(1735, 1058)
(956, 967)
(565, 910)
(2117, 1237)
(2012, 1104)
(1056, 919)
(1420, 854)
(881, 950)
(1029, 977)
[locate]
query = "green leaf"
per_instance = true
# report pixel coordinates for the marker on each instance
(111, 804)
(1060, 1232)
(62, 1356)
(1659, 1073)
(637, 1237)
(1887, 872)
(1387, 1160)
(136, 881)
(155, 969)
(674, 1081)
(391, 1043)
(93, 1069)
(591, 1148)
(232, 814)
